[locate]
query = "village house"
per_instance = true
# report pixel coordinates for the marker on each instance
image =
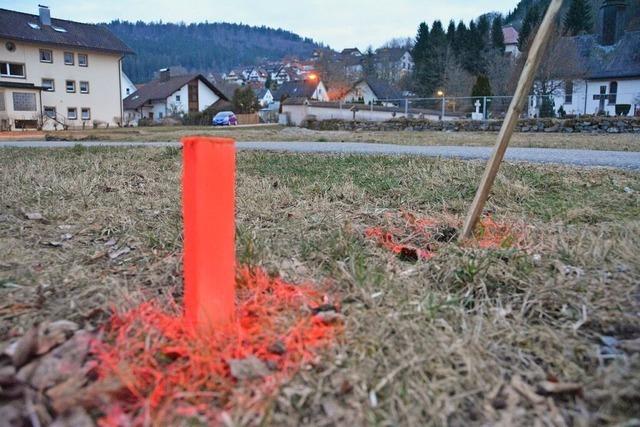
(511, 36)
(310, 88)
(171, 96)
(58, 74)
(265, 97)
(372, 91)
(126, 86)
(600, 72)
(393, 63)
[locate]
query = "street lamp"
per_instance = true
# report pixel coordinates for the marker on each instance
(441, 94)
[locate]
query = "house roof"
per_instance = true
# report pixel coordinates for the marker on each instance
(15, 26)
(510, 34)
(584, 57)
(381, 89)
(351, 51)
(158, 89)
(392, 54)
(262, 93)
(296, 89)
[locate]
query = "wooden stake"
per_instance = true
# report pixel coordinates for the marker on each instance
(513, 114)
(209, 231)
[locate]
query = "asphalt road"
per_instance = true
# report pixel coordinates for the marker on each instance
(587, 158)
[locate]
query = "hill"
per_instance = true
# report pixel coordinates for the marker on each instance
(203, 47)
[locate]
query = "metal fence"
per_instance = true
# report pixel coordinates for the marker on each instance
(495, 107)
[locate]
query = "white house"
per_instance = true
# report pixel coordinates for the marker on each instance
(171, 96)
(600, 71)
(58, 74)
(126, 86)
(265, 97)
(393, 63)
(372, 91)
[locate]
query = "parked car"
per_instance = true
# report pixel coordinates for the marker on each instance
(225, 118)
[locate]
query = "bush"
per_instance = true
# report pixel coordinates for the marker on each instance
(144, 122)
(547, 109)
(561, 112)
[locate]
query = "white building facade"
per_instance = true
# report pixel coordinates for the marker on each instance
(58, 74)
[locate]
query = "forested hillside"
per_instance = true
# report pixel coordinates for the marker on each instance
(204, 46)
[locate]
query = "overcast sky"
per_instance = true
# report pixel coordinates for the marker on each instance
(339, 23)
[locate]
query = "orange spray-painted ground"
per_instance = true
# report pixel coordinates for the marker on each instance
(413, 238)
(165, 372)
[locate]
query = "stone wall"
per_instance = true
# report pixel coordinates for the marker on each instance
(579, 125)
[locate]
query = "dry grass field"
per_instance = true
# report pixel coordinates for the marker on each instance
(470, 337)
(615, 142)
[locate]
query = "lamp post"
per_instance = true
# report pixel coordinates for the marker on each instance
(441, 94)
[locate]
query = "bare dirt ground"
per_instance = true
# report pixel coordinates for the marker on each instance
(613, 142)
(470, 337)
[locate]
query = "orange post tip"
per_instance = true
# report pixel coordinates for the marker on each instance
(189, 140)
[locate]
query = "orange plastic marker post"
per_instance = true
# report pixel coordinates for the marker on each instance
(209, 230)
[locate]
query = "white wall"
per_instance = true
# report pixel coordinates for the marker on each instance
(127, 86)
(298, 113)
(321, 93)
(206, 97)
(362, 90)
(103, 74)
(181, 106)
(583, 102)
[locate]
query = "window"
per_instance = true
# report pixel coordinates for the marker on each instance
(50, 112)
(24, 101)
(177, 98)
(568, 92)
(83, 60)
(2, 106)
(84, 87)
(46, 55)
(613, 93)
(72, 113)
(86, 114)
(160, 115)
(71, 86)
(8, 69)
(69, 58)
(49, 85)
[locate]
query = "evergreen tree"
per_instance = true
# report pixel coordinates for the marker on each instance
(484, 28)
(481, 89)
(497, 36)
(368, 63)
(578, 19)
(460, 38)
(420, 55)
(451, 33)
(244, 101)
(529, 24)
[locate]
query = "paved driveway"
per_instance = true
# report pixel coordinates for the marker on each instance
(590, 158)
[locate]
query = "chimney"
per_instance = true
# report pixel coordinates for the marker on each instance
(45, 15)
(165, 74)
(612, 21)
